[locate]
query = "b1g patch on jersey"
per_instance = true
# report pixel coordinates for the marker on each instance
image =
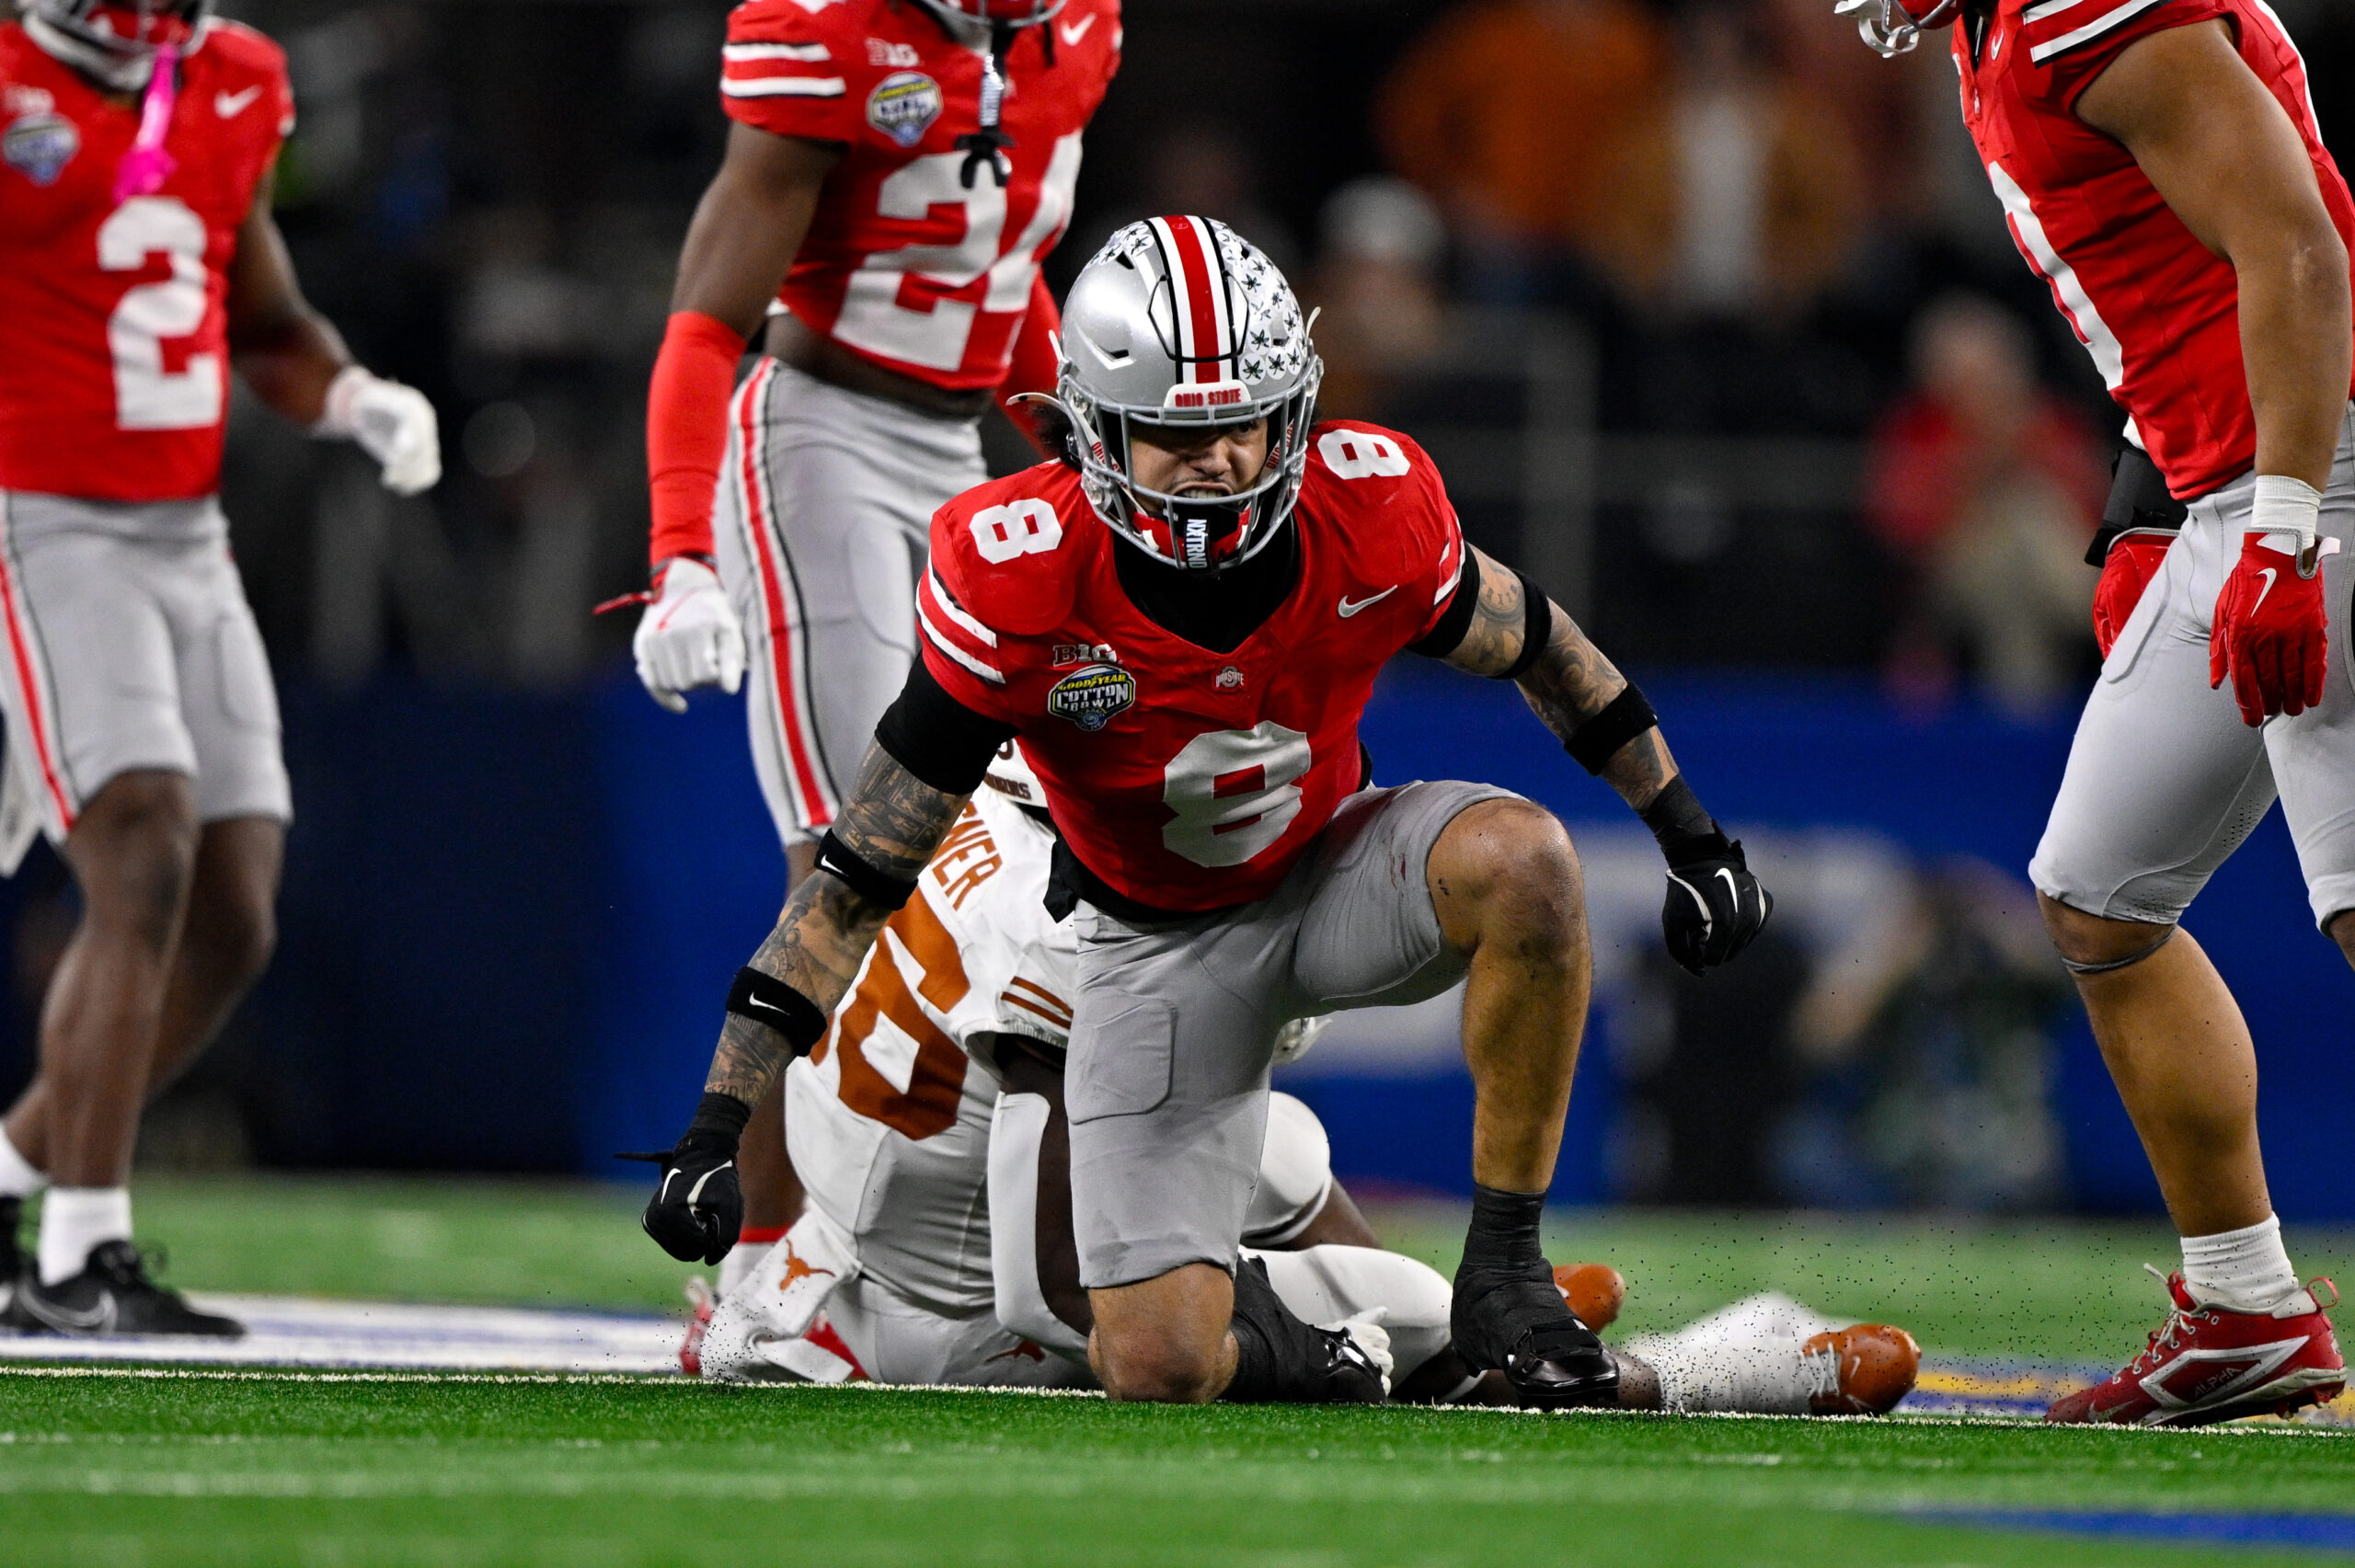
(39, 146)
(1090, 698)
(903, 106)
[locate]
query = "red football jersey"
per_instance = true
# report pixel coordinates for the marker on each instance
(1188, 779)
(2158, 310)
(114, 334)
(913, 260)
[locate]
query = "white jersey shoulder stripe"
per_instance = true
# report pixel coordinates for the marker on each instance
(784, 87)
(2041, 53)
(2068, 289)
(955, 612)
(741, 53)
(933, 635)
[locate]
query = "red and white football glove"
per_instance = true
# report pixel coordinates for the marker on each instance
(2270, 629)
(2133, 561)
(689, 635)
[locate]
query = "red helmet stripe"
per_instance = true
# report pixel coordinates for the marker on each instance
(1202, 304)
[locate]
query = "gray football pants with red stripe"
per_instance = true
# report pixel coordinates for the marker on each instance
(819, 527)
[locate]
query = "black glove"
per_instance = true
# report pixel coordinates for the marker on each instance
(1715, 906)
(698, 1208)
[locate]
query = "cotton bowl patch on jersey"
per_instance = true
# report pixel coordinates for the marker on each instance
(40, 146)
(1091, 697)
(903, 106)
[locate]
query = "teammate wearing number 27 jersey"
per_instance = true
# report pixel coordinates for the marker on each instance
(139, 264)
(1181, 621)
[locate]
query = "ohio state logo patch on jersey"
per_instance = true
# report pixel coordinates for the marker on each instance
(903, 106)
(1091, 697)
(40, 146)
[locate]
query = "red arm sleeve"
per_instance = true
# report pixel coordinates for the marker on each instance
(687, 429)
(1033, 366)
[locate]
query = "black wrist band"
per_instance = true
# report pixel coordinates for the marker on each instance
(764, 999)
(1536, 631)
(880, 889)
(723, 1113)
(1594, 743)
(1680, 824)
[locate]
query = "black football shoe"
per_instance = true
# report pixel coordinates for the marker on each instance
(1513, 1319)
(11, 1258)
(112, 1296)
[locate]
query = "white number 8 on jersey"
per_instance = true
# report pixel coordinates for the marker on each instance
(1234, 791)
(1361, 455)
(1018, 528)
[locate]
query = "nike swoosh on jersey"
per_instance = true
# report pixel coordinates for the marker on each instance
(1348, 609)
(1077, 30)
(228, 106)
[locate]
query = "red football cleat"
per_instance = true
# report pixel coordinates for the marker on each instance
(699, 1297)
(2208, 1363)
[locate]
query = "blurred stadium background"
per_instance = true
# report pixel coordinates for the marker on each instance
(1712, 324)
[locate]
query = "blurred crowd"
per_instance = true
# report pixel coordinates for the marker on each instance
(1833, 419)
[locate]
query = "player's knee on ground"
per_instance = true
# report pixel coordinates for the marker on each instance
(2082, 938)
(1164, 1341)
(1295, 1175)
(134, 853)
(1505, 870)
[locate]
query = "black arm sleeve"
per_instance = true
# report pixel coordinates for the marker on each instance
(939, 738)
(1457, 619)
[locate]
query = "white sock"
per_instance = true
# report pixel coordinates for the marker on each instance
(2241, 1271)
(740, 1260)
(17, 1178)
(73, 1220)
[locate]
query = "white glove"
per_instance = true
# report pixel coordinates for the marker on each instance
(393, 424)
(689, 635)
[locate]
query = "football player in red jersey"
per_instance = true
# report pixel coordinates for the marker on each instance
(139, 264)
(1182, 621)
(2162, 170)
(896, 171)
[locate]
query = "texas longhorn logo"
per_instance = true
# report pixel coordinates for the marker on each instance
(797, 1270)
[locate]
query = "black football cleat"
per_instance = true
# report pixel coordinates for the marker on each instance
(1513, 1319)
(11, 1258)
(112, 1296)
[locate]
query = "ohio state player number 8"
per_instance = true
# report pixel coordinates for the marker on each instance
(1234, 792)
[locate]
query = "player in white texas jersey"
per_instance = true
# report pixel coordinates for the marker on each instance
(929, 1129)
(896, 171)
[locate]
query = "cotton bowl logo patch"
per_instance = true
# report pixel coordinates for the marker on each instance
(1090, 697)
(39, 146)
(903, 106)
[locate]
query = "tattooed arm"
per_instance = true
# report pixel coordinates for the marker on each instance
(1570, 683)
(893, 822)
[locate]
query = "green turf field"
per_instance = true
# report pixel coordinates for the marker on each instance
(125, 1468)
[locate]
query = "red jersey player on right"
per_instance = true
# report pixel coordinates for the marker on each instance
(1181, 621)
(2162, 170)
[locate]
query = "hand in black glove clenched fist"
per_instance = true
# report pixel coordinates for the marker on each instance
(698, 1208)
(1715, 906)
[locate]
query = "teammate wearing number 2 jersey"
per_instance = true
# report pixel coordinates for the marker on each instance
(1180, 622)
(2162, 170)
(139, 264)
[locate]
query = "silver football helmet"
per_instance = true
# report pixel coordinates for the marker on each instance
(1181, 321)
(114, 40)
(1890, 27)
